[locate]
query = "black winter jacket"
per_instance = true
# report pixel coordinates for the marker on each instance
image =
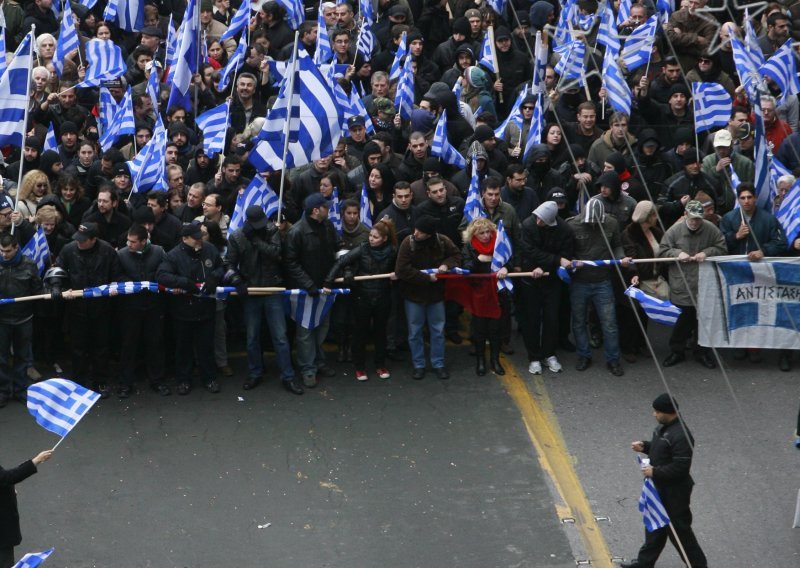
(18, 278)
(670, 453)
(544, 247)
(139, 267)
(10, 534)
(309, 252)
(185, 268)
(364, 260)
(257, 259)
(88, 268)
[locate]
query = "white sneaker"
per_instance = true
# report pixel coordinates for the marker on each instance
(535, 368)
(553, 364)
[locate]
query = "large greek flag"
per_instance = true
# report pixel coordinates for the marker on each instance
(58, 404)
(660, 311)
(653, 512)
(487, 56)
(712, 105)
(570, 66)
(234, 63)
(33, 559)
(639, 45)
(239, 21)
(404, 99)
(148, 168)
(105, 62)
(122, 123)
(257, 193)
(441, 147)
(308, 311)
(186, 59)
(294, 12)
(14, 87)
(619, 92)
(782, 68)
(607, 32)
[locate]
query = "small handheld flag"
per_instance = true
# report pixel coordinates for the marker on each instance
(33, 559)
(58, 404)
(660, 311)
(653, 512)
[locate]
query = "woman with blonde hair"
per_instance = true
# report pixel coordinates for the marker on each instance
(479, 240)
(35, 185)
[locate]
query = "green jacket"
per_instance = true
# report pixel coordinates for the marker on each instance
(744, 169)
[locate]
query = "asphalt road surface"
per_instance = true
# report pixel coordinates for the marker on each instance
(470, 472)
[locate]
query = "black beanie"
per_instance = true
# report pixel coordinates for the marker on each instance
(663, 403)
(426, 224)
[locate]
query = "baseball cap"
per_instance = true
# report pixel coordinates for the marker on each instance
(723, 138)
(694, 209)
(256, 217)
(191, 230)
(355, 121)
(85, 232)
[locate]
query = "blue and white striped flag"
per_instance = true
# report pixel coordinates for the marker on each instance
(664, 9)
(120, 288)
(562, 34)
(357, 108)
(128, 14)
(624, 11)
(3, 63)
(186, 59)
(454, 270)
(171, 48)
(514, 115)
(58, 404)
(307, 311)
(749, 75)
(148, 168)
(639, 45)
(123, 122)
(319, 124)
(501, 256)
(761, 153)
(653, 512)
(712, 106)
(782, 68)
(498, 6)
(365, 43)
(294, 12)
(33, 559)
(153, 87)
(14, 89)
(404, 99)
(397, 63)
(441, 147)
(37, 249)
(619, 92)
(364, 213)
(487, 55)
(107, 110)
(788, 214)
(239, 22)
(274, 128)
(67, 39)
(570, 66)
(50, 140)
(660, 311)
(472, 207)
(214, 126)
(335, 212)
(323, 53)
(258, 192)
(366, 10)
(458, 88)
(536, 129)
(753, 48)
(607, 32)
(105, 62)
(539, 65)
(234, 63)
(344, 102)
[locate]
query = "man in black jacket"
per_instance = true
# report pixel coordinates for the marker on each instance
(401, 211)
(19, 276)
(166, 231)
(670, 452)
(10, 535)
(193, 270)
(254, 256)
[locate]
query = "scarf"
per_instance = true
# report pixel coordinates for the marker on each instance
(481, 248)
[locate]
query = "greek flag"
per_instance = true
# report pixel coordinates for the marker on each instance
(712, 106)
(307, 311)
(653, 512)
(366, 10)
(50, 141)
(105, 62)
(214, 126)
(122, 123)
(782, 68)
(153, 87)
(619, 92)
(404, 100)
(357, 108)
(639, 45)
(275, 123)
(660, 311)
(67, 39)
(570, 66)
(343, 100)
(624, 12)
(335, 212)
(761, 153)
(239, 22)
(323, 53)
(457, 89)
(129, 14)
(536, 129)
(14, 87)
(607, 32)
(33, 559)
(148, 167)
(664, 9)
(502, 256)
(752, 46)
(258, 192)
(236, 60)
(748, 73)
(108, 108)
(171, 48)
(472, 207)
(397, 63)
(120, 288)
(788, 213)
(319, 124)
(37, 250)
(186, 59)
(365, 43)
(539, 65)
(294, 12)
(3, 63)
(58, 404)
(562, 35)
(441, 147)
(497, 5)
(364, 214)
(515, 115)
(487, 56)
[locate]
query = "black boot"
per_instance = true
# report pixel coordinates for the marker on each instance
(494, 358)
(480, 357)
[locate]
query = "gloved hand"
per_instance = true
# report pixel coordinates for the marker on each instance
(209, 287)
(349, 280)
(189, 287)
(313, 292)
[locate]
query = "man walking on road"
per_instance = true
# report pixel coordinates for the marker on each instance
(670, 453)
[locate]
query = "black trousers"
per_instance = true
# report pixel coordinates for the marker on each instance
(371, 323)
(541, 300)
(683, 330)
(680, 514)
(7, 557)
(90, 340)
(631, 338)
(194, 338)
(142, 340)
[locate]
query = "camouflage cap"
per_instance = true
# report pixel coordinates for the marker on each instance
(384, 105)
(694, 209)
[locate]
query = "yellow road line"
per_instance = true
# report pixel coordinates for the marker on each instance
(544, 432)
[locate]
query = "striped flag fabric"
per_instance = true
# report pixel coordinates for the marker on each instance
(320, 123)
(753, 48)
(107, 109)
(539, 65)
(214, 126)
(653, 512)
(3, 63)
(514, 115)
(487, 55)
(664, 9)
(258, 192)
(357, 108)
(33, 559)
(67, 39)
(501, 256)
(153, 87)
(186, 59)
(37, 249)
(454, 270)
(171, 47)
(536, 129)
(120, 288)
(404, 99)
(607, 32)
(441, 147)
(570, 66)
(366, 10)
(562, 35)
(782, 68)
(619, 92)
(397, 63)
(712, 105)
(59, 404)
(472, 207)
(761, 153)
(323, 53)
(639, 45)
(660, 311)
(498, 6)
(274, 128)
(335, 212)
(14, 89)
(294, 12)
(308, 311)
(749, 75)
(234, 63)
(239, 22)
(624, 12)
(128, 14)
(105, 62)
(123, 122)
(365, 43)
(788, 214)
(364, 213)
(343, 100)
(148, 167)
(50, 140)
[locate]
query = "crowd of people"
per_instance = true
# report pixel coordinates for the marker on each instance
(600, 185)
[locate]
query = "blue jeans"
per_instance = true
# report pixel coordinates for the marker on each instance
(417, 314)
(308, 346)
(601, 295)
(256, 309)
(19, 337)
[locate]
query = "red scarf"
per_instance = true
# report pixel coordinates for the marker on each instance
(624, 175)
(481, 248)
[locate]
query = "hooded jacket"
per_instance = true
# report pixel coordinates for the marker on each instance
(604, 145)
(616, 203)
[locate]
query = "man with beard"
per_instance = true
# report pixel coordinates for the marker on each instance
(464, 57)
(776, 36)
(30, 158)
